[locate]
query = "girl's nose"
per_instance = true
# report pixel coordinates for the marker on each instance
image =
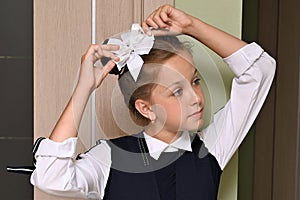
(196, 97)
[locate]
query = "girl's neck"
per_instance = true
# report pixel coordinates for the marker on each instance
(163, 135)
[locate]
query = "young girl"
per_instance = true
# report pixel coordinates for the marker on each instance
(164, 161)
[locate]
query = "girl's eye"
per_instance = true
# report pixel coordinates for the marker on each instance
(177, 92)
(197, 81)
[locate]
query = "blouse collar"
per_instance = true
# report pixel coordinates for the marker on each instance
(156, 146)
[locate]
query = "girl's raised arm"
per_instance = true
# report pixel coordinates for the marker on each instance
(254, 71)
(177, 21)
(89, 79)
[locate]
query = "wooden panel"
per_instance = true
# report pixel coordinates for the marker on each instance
(264, 127)
(276, 166)
(264, 138)
(287, 102)
(297, 175)
(113, 17)
(62, 33)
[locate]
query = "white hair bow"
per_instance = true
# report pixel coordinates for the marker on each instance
(132, 44)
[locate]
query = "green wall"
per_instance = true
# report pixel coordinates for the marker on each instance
(226, 15)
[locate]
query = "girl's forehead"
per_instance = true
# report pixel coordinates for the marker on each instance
(175, 69)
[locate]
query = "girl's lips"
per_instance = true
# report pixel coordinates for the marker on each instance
(197, 114)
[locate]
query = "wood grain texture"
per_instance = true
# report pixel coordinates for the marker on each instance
(113, 17)
(264, 126)
(287, 103)
(61, 36)
(62, 33)
(277, 126)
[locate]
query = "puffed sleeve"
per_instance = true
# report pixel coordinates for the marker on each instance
(254, 71)
(59, 173)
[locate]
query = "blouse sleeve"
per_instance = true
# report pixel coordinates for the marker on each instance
(254, 71)
(59, 173)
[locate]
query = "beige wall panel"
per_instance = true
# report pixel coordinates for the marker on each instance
(113, 17)
(62, 32)
(116, 16)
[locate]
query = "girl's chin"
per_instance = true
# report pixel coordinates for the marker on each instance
(193, 129)
(196, 126)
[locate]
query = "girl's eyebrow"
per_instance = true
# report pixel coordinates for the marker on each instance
(178, 82)
(175, 83)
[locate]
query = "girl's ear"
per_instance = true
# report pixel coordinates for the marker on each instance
(144, 108)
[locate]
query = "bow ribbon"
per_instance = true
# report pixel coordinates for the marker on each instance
(132, 44)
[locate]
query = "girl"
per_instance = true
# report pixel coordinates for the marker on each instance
(164, 161)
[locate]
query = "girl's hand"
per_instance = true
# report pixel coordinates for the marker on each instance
(169, 18)
(91, 77)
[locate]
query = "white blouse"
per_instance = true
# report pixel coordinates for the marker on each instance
(59, 173)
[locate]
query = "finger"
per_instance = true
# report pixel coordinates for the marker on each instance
(164, 32)
(158, 19)
(104, 72)
(159, 32)
(149, 21)
(110, 55)
(167, 9)
(82, 58)
(102, 52)
(146, 28)
(107, 68)
(90, 52)
(110, 47)
(165, 18)
(92, 49)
